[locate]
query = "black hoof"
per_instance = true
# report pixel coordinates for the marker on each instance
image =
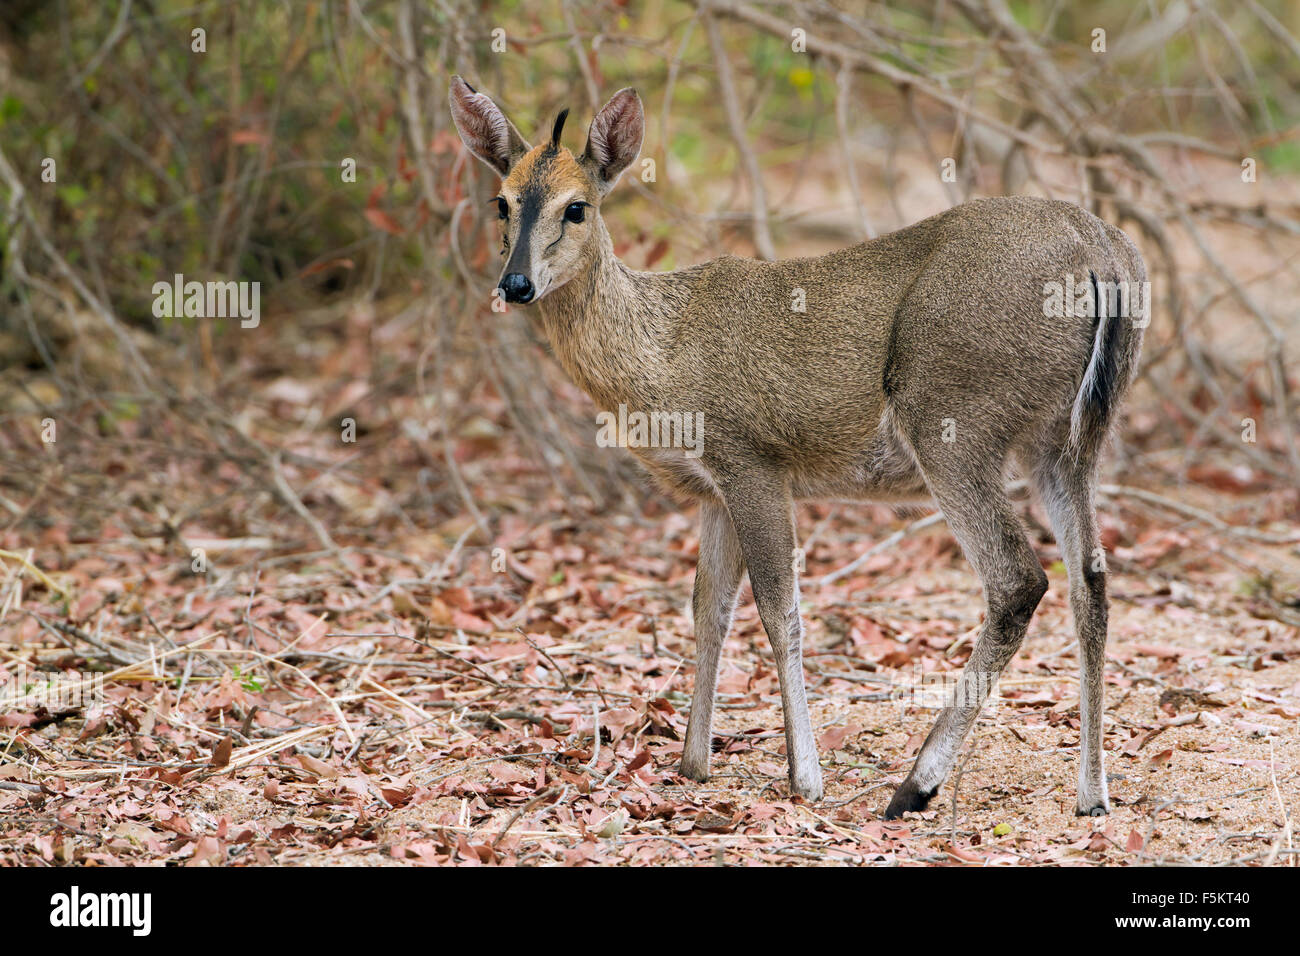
(1098, 811)
(908, 797)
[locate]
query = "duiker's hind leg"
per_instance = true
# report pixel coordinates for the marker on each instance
(1066, 489)
(976, 508)
(717, 581)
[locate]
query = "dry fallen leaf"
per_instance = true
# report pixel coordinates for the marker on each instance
(221, 753)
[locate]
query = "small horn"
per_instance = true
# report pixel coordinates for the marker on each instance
(559, 127)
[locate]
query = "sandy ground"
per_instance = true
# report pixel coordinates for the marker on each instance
(1203, 756)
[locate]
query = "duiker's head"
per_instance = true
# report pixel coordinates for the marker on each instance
(549, 201)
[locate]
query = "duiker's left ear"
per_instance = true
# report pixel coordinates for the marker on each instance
(615, 138)
(484, 128)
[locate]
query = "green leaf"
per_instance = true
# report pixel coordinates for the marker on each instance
(1282, 157)
(72, 195)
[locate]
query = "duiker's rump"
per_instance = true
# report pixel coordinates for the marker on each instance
(911, 366)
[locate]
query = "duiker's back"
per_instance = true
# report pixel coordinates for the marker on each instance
(798, 356)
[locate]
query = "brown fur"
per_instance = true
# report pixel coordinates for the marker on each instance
(933, 332)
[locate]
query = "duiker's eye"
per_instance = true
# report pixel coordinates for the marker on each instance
(503, 209)
(575, 212)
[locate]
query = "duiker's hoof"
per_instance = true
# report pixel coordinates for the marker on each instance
(907, 797)
(1092, 810)
(810, 789)
(697, 770)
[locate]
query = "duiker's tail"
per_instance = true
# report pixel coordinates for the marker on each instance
(1122, 311)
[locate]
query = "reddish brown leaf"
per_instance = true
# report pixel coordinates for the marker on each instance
(221, 753)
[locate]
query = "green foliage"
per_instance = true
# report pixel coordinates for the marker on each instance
(250, 682)
(225, 164)
(10, 109)
(1281, 157)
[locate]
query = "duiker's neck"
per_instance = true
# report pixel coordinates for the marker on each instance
(609, 326)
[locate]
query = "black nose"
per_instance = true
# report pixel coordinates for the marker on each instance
(517, 288)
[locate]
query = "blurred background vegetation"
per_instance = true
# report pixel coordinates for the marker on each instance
(776, 128)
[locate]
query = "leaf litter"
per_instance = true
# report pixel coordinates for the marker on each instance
(406, 690)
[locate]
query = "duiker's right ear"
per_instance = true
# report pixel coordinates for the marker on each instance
(484, 128)
(615, 138)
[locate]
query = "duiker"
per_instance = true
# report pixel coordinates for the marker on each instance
(913, 366)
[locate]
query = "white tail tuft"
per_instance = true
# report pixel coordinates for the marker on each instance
(1093, 370)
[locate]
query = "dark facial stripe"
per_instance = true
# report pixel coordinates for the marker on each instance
(528, 209)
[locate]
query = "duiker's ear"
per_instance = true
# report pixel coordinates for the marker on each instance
(484, 128)
(615, 138)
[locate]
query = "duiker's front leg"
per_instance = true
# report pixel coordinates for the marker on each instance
(763, 515)
(717, 580)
